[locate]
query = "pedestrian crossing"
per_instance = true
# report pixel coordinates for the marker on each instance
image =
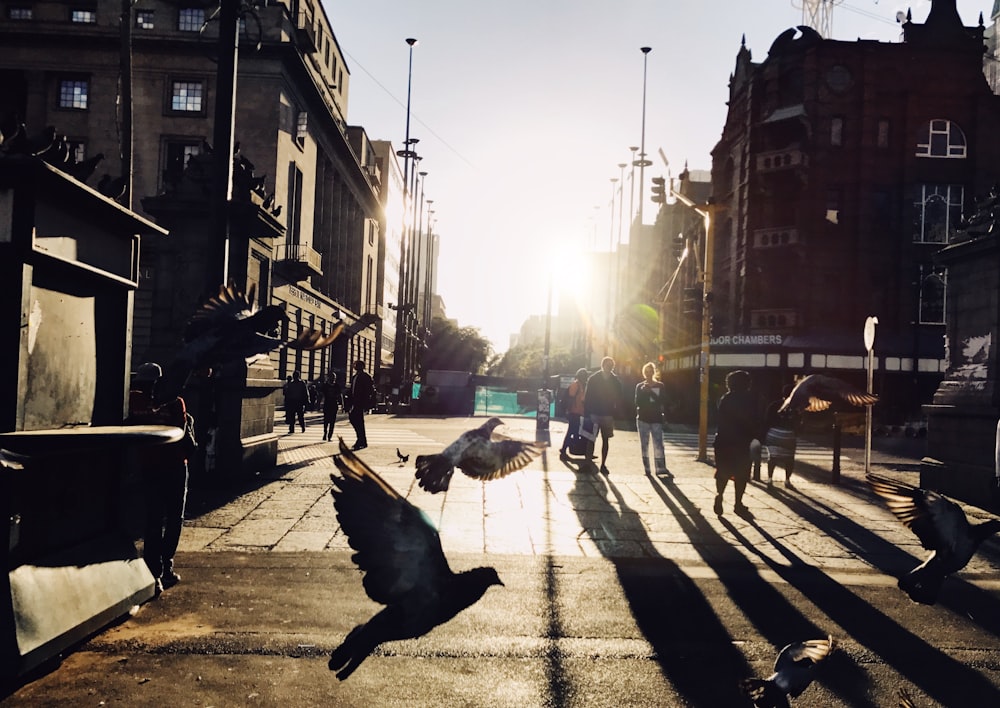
(685, 443)
(378, 434)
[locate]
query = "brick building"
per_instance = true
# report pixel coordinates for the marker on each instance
(843, 167)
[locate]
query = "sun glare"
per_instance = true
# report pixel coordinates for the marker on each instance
(571, 274)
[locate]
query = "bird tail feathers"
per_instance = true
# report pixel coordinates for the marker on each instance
(764, 693)
(351, 652)
(434, 472)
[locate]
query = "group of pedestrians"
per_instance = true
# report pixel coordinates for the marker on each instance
(594, 401)
(356, 401)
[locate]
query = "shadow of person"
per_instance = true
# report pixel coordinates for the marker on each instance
(669, 608)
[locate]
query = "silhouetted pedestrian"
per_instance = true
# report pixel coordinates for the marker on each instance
(737, 428)
(601, 404)
(362, 398)
(333, 397)
(296, 398)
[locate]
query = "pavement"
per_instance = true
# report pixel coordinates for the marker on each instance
(269, 589)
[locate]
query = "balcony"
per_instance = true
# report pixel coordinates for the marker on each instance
(296, 261)
(305, 34)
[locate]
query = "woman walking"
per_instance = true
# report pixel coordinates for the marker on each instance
(650, 414)
(737, 428)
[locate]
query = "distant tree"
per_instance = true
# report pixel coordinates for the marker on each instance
(528, 362)
(454, 348)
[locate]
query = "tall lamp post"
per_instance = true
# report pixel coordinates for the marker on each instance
(631, 198)
(618, 258)
(406, 153)
(611, 279)
(643, 162)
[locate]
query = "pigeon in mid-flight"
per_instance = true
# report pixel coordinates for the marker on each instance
(793, 672)
(942, 528)
(480, 454)
(399, 551)
(817, 392)
(229, 327)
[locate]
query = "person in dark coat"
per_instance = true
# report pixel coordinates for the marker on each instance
(737, 427)
(296, 399)
(362, 398)
(333, 397)
(602, 403)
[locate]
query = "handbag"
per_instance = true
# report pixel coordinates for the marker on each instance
(588, 428)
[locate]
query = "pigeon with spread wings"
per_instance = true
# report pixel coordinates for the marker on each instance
(817, 392)
(481, 454)
(942, 528)
(399, 551)
(794, 670)
(230, 327)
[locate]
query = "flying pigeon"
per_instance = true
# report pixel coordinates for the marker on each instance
(818, 392)
(403, 459)
(227, 328)
(11, 460)
(480, 454)
(793, 672)
(399, 552)
(942, 528)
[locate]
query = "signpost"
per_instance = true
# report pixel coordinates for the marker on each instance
(869, 335)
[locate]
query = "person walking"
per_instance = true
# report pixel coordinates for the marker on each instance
(737, 427)
(166, 476)
(296, 398)
(362, 395)
(781, 437)
(574, 410)
(650, 414)
(333, 397)
(601, 404)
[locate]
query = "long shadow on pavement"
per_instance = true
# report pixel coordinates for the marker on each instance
(774, 616)
(939, 675)
(652, 584)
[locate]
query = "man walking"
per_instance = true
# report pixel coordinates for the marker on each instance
(362, 395)
(296, 398)
(601, 404)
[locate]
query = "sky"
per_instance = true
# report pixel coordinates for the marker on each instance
(525, 108)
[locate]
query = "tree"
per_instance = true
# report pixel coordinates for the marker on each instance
(454, 348)
(527, 361)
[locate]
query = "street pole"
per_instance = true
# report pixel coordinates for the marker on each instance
(544, 394)
(399, 346)
(611, 274)
(705, 211)
(643, 162)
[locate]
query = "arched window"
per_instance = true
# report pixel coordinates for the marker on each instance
(942, 138)
(933, 289)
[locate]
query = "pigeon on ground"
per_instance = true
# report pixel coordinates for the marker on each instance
(793, 672)
(480, 454)
(399, 551)
(403, 459)
(818, 392)
(227, 328)
(942, 528)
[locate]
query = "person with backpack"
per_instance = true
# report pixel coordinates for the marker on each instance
(573, 407)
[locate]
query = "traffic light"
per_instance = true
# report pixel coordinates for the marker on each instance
(659, 190)
(692, 301)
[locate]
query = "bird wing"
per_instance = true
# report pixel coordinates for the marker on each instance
(310, 339)
(396, 546)
(935, 520)
(492, 459)
(811, 650)
(817, 392)
(230, 305)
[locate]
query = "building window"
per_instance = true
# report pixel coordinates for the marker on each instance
(187, 96)
(933, 295)
(73, 93)
(937, 212)
(942, 138)
(369, 286)
(190, 19)
(144, 19)
(837, 131)
(301, 128)
(20, 13)
(292, 222)
(176, 154)
(882, 133)
(83, 16)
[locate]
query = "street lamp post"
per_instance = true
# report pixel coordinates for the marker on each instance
(631, 198)
(611, 279)
(618, 259)
(643, 162)
(399, 353)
